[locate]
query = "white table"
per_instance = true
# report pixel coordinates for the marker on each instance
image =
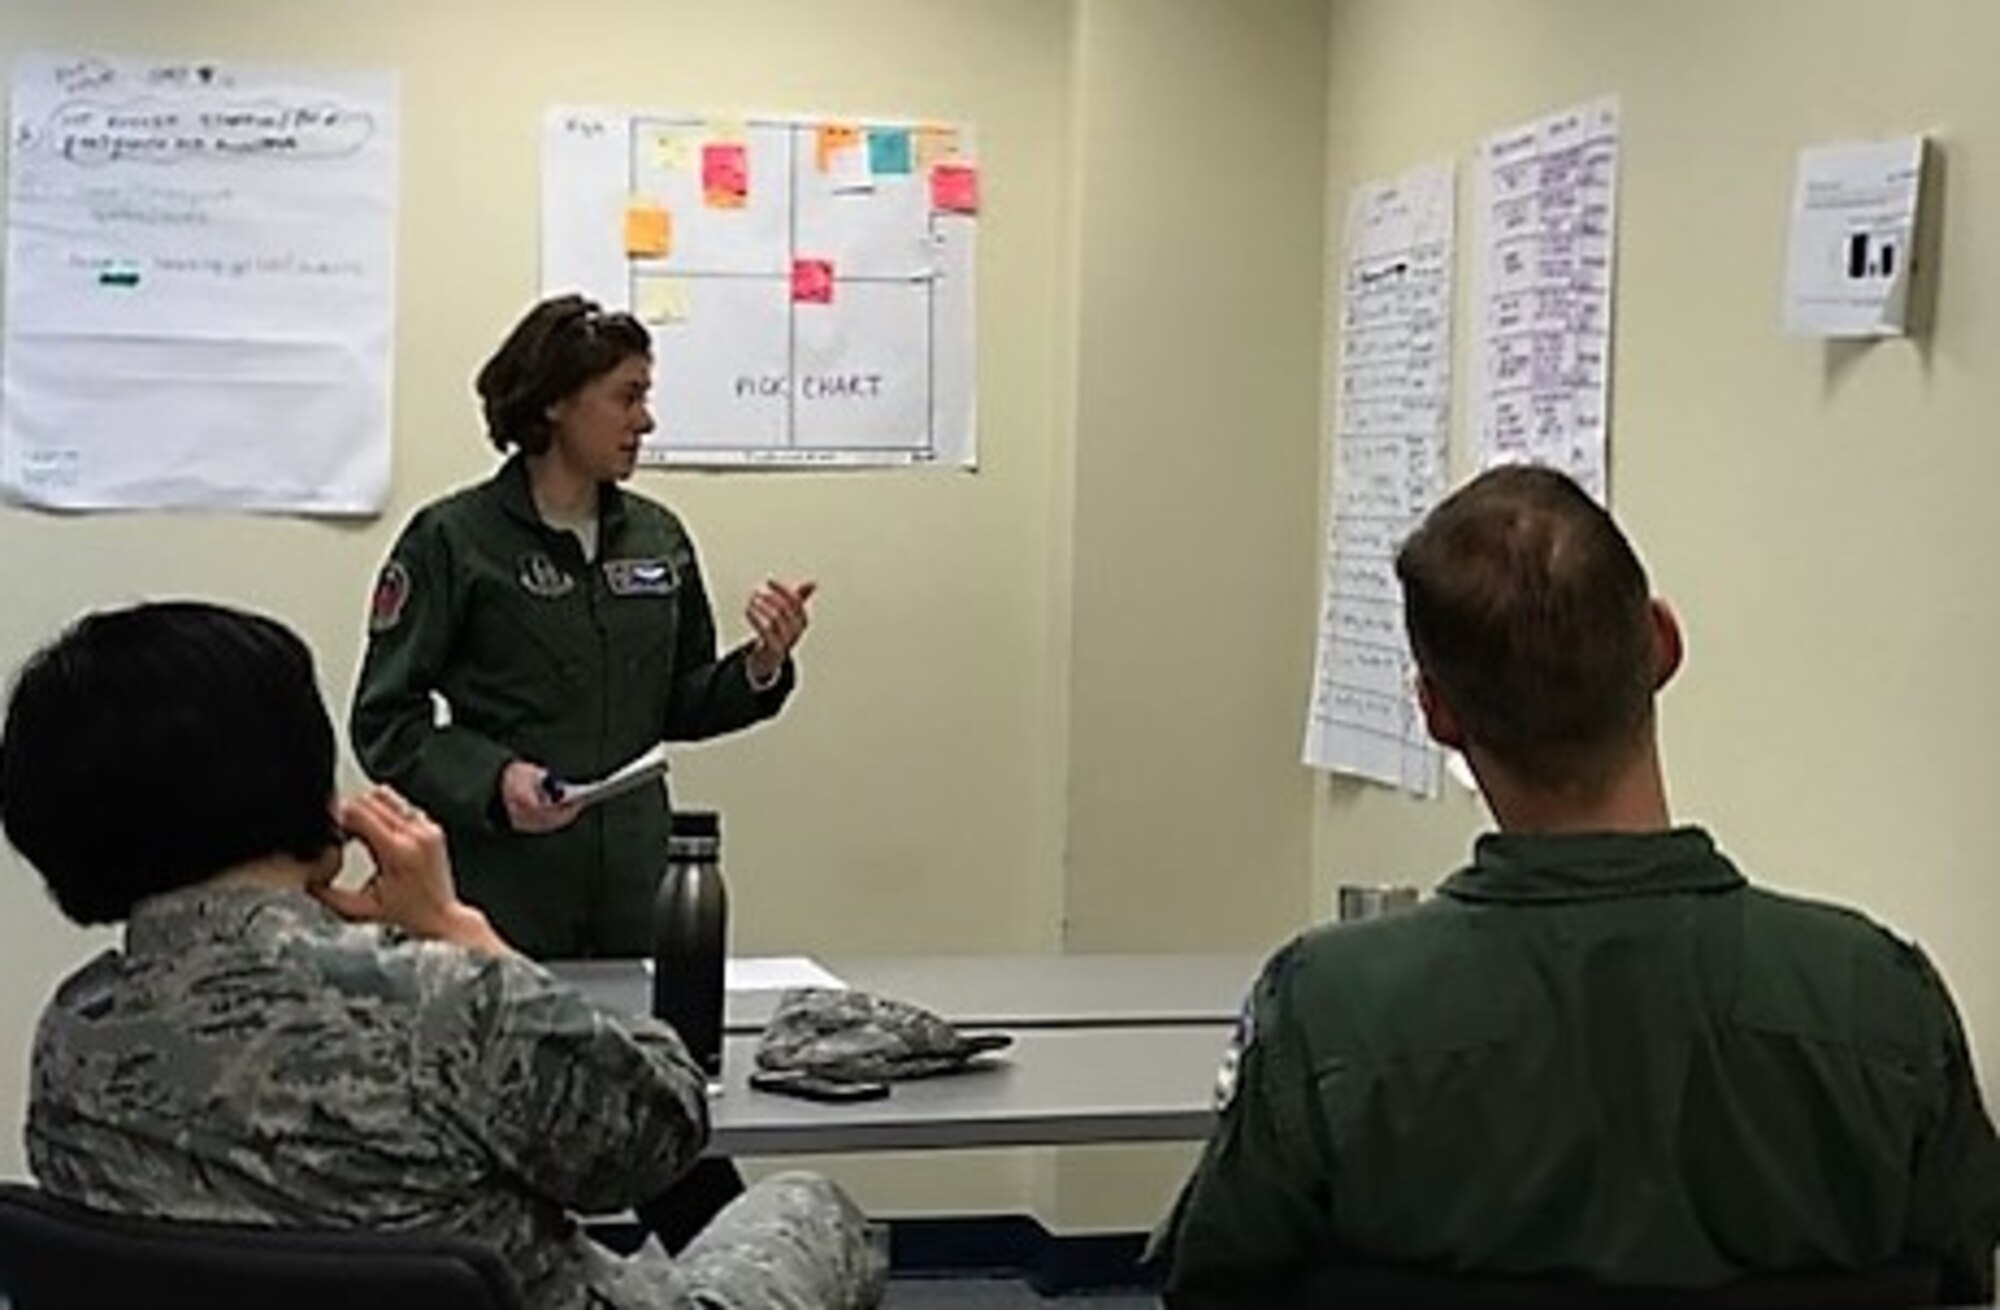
(1053, 1087)
(990, 991)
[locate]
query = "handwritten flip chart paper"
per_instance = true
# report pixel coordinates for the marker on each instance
(200, 286)
(1545, 208)
(1854, 220)
(812, 324)
(1392, 419)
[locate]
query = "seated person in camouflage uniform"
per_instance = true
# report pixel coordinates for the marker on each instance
(1597, 1052)
(270, 1048)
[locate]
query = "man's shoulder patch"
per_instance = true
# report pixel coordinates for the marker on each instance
(392, 594)
(1227, 1076)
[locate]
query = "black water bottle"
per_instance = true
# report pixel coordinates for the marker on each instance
(691, 936)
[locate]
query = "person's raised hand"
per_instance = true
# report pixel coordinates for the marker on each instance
(410, 886)
(777, 614)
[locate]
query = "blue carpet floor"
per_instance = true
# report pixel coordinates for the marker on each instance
(985, 1294)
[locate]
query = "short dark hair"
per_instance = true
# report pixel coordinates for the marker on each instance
(151, 748)
(560, 345)
(1528, 611)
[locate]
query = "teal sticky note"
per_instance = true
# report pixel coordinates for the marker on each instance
(888, 151)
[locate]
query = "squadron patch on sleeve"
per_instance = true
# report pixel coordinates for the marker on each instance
(392, 593)
(1232, 1059)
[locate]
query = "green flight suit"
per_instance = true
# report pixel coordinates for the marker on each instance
(541, 656)
(1598, 1055)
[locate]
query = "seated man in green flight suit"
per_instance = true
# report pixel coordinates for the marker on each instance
(1597, 1053)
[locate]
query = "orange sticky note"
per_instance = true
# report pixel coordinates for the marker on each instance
(725, 175)
(955, 188)
(834, 138)
(812, 281)
(649, 231)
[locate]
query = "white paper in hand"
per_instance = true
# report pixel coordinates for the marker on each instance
(636, 772)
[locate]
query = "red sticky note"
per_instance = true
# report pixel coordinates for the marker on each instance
(725, 174)
(955, 188)
(812, 281)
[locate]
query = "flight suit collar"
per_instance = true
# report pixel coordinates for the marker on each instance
(173, 921)
(1522, 867)
(518, 499)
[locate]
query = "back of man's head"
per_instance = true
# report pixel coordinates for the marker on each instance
(1529, 615)
(154, 747)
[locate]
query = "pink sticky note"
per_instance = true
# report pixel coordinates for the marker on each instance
(955, 188)
(812, 281)
(725, 175)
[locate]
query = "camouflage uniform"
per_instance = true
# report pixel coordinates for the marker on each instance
(848, 1034)
(248, 1058)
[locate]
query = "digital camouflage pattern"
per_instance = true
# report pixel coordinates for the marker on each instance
(853, 1035)
(250, 1058)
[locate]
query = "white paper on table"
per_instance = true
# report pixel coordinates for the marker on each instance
(1854, 216)
(776, 973)
(772, 973)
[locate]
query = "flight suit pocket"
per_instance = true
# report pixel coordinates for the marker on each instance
(641, 622)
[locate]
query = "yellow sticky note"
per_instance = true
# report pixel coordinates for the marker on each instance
(834, 138)
(933, 144)
(673, 150)
(728, 129)
(660, 300)
(649, 231)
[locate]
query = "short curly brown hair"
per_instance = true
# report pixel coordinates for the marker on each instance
(561, 344)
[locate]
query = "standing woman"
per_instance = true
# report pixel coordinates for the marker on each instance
(563, 624)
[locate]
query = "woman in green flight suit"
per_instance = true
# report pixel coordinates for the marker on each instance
(563, 623)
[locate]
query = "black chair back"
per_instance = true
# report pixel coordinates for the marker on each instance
(57, 1256)
(1891, 1287)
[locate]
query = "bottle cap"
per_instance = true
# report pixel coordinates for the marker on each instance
(697, 823)
(696, 835)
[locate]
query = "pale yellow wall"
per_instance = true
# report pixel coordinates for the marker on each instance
(1057, 704)
(1823, 516)
(1201, 149)
(903, 801)
(1086, 655)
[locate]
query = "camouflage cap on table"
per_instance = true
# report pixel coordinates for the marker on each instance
(853, 1035)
